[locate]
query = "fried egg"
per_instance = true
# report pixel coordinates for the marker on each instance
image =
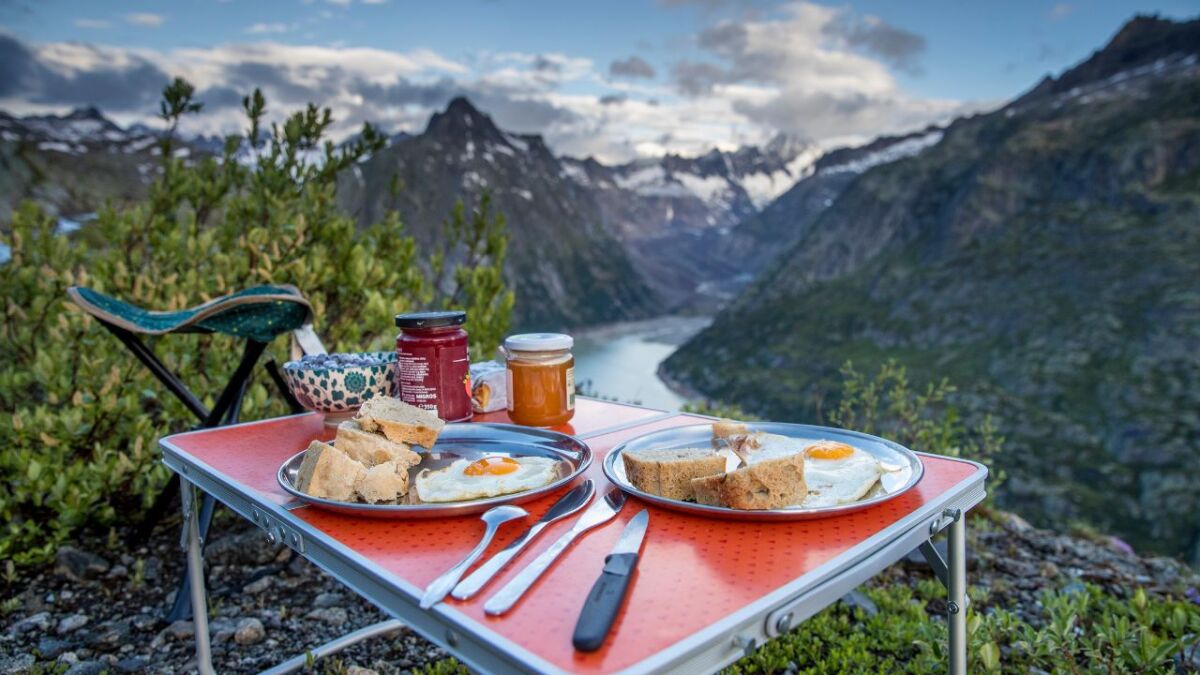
(486, 477)
(837, 473)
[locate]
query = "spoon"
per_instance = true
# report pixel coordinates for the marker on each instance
(442, 585)
(569, 503)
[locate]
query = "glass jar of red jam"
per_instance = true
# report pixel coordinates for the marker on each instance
(432, 370)
(540, 378)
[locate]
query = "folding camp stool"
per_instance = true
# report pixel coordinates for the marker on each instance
(257, 315)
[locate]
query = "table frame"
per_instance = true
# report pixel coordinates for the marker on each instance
(722, 643)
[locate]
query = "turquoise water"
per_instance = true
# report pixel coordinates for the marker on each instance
(620, 360)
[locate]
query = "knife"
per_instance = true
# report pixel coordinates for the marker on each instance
(569, 503)
(600, 512)
(602, 604)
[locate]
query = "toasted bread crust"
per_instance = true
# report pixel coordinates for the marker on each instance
(771, 484)
(669, 473)
(400, 422)
(329, 473)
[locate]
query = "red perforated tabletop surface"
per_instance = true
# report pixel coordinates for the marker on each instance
(693, 573)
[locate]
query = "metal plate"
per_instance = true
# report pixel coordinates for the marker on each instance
(463, 441)
(891, 484)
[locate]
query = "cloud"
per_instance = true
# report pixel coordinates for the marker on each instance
(73, 74)
(813, 70)
(810, 70)
(264, 28)
(895, 45)
(634, 66)
(92, 23)
(145, 19)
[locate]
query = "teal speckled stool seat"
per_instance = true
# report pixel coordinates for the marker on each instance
(256, 315)
(259, 313)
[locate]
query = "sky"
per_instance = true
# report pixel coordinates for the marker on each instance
(612, 79)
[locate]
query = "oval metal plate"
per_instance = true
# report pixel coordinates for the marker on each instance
(463, 441)
(891, 484)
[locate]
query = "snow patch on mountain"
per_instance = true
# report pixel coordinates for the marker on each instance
(575, 172)
(708, 188)
(763, 187)
(907, 148)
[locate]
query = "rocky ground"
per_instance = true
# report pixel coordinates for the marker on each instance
(99, 607)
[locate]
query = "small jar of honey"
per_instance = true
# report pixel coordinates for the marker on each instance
(540, 378)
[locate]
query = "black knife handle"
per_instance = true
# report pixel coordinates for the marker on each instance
(604, 601)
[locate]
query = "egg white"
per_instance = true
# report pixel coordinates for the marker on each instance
(840, 481)
(451, 484)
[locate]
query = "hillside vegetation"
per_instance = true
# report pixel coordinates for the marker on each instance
(1044, 258)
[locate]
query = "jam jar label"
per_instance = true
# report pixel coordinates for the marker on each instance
(436, 379)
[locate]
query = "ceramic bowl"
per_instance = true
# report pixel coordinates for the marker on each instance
(340, 390)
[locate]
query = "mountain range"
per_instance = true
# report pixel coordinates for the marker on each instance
(1045, 257)
(590, 242)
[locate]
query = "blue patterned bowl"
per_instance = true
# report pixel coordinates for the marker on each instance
(339, 391)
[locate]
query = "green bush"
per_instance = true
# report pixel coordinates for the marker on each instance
(1079, 632)
(80, 438)
(885, 404)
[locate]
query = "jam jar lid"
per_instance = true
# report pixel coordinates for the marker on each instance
(538, 342)
(431, 319)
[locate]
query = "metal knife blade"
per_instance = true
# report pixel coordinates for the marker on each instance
(601, 511)
(569, 503)
(635, 532)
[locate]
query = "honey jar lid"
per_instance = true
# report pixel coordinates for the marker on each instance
(538, 342)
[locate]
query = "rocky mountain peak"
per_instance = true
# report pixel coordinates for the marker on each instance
(1144, 42)
(463, 121)
(786, 146)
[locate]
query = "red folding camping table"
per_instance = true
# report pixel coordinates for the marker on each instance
(706, 592)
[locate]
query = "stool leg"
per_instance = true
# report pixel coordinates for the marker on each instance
(195, 558)
(957, 610)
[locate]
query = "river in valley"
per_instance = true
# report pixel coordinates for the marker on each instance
(620, 361)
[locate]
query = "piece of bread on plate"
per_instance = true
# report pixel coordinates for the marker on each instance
(669, 473)
(768, 484)
(329, 473)
(371, 448)
(399, 421)
(384, 482)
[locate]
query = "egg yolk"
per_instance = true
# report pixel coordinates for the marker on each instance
(829, 450)
(492, 466)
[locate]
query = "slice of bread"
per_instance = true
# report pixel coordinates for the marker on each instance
(384, 482)
(399, 421)
(372, 449)
(769, 484)
(329, 473)
(669, 473)
(723, 430)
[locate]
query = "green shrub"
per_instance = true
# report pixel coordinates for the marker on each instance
(887, 405)
(1079, 632)
(83, 416)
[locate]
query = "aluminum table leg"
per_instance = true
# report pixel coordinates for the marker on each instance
(195, 558)
(957, 602)
(298, 663)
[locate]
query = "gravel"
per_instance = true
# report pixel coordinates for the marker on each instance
(72, 621)
(78, 618)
